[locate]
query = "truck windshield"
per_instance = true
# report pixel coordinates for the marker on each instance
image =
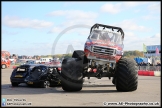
(106, 36)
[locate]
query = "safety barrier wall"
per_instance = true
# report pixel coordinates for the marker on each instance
(149, 73)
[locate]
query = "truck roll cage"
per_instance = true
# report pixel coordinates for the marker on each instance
(107, 26)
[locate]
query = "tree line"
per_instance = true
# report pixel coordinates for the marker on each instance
(129, 54)
(133, 54)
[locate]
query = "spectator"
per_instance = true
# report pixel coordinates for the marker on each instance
(148, 64)
(158, 64)
(141, 63)
(151, 64)
(144, 64)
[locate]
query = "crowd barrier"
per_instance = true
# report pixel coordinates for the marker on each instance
(150, 68)
(149, 73)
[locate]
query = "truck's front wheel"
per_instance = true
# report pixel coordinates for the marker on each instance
(126, 75)
(71, 74)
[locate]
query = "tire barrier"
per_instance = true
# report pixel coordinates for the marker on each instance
(149, 73)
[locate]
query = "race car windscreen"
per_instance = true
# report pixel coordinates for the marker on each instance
(36, 72)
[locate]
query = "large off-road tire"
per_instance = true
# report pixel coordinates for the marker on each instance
(78, 54)
(70, 86)
(71, 74)
(14, 84)
(126, 75)
(81, 55)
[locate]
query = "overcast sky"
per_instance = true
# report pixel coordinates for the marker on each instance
(31, 28)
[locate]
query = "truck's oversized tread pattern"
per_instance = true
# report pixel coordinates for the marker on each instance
(72, 69)
(126, 75)
(80, 55)
(71, 74)
(68, 85)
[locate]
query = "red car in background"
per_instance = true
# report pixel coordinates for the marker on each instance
(54, 63)
(5, 62)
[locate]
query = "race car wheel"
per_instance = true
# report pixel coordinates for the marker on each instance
(14, 84)
(46, 84)
(126, 74)
(4, 66)
(71, 74)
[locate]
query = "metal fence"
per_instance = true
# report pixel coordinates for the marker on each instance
(150, 68)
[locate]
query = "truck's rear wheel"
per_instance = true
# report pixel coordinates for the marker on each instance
(126, 75)
(71, 74)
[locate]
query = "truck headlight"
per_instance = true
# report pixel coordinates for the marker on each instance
(119, 52)
(89, 48)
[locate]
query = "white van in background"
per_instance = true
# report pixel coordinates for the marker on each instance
(37, 61)
(12, 60)
(45, 60)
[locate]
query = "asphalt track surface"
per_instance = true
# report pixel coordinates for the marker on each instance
(95, 92)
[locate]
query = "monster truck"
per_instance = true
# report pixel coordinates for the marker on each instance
(102, 57)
